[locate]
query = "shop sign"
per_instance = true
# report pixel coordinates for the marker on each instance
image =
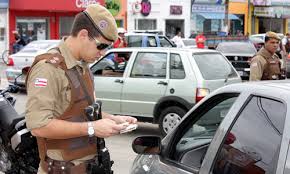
(85, 3)
(208, 1)
(286, 12)
(264, 12)
(176, 10)
(280, 2)
(261, 2)
(207, 8)
(145, 7)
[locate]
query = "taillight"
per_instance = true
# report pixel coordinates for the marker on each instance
(288, 56)
(10, 62)
(201, 93)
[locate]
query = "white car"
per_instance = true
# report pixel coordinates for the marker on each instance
(25, 57)
(159, 85)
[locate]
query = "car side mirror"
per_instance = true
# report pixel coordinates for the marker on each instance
(147, 145)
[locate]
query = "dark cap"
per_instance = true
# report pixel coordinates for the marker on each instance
(103, 20)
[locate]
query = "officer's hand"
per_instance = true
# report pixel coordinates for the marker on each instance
(106, 128)
(122, 119)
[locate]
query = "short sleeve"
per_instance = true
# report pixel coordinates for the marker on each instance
(256, 69)
(42, 94)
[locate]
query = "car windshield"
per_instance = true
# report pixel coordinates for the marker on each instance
(37, 45)
(189, 42)
(214, 66)
(237, 48)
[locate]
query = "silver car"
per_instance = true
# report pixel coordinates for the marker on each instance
(159, 85)
(241, 128)
(25, 57)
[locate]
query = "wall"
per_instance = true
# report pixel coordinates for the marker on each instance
(160, 12)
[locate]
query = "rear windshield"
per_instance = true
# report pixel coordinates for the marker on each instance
(214, 66)
(237, 48)
(189, 42)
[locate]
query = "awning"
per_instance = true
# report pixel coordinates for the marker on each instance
(218, 16)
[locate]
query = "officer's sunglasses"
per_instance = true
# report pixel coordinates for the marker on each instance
(100, 45)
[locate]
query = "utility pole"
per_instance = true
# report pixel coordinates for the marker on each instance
(226, 20)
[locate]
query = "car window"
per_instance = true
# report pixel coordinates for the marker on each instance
(113, 64)
(253, 143)
(176, 67)
(134, 41)
(164, 42)
(197, 135)
(214, 66)
(149, 65)
(152, 41)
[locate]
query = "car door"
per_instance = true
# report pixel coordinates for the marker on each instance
(184, 148)
(146, 83)
(252, 144)
(108, 79)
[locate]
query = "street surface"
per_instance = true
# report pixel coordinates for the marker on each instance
(119, 146)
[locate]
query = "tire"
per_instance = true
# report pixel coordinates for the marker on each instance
(169, 118)
(5, 56)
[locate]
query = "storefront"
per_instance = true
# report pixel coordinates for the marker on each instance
(163, 16)
(52, 19)
(3, 25)
(210, 16)
(271, 16)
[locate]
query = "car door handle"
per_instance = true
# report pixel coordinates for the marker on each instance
(162, 83)
(119, 81)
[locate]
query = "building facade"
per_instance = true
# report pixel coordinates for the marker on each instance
(221, 17)
(165, 16)
(270, 16)
(3, 25)
(37, 20)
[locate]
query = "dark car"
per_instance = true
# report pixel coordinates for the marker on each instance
(239, 54)
(240, 128)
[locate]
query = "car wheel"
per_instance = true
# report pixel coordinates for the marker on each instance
(169, 118)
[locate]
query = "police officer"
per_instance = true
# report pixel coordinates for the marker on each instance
(60, 86)
(266, 65)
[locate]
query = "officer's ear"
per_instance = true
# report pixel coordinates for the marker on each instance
(83, 34)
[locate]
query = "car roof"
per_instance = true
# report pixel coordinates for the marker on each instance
(267, 88)
(235, 43)
(156, 49)
(140, 34)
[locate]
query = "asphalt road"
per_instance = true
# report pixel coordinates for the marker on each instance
(119, 146)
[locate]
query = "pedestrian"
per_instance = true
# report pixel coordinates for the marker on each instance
(200, 40)
(60, 86)
(121, 41)
(19, 42)
(177, 39)
(266, 65)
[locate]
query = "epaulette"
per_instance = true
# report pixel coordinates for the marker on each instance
(55, 59)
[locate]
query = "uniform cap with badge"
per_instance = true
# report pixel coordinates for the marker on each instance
(103, 21)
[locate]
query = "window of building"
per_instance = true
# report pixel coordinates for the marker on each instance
(146, 24)
(65, 24)
(31, 28)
